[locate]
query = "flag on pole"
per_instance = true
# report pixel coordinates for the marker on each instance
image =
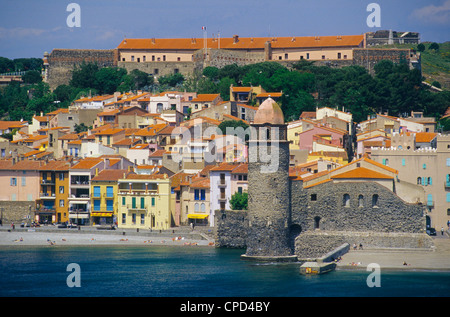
(204, 28)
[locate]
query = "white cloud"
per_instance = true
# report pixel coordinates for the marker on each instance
(21, 32)
(434, 14)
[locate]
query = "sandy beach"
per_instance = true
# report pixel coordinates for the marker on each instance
(437, 258)
(72, 237)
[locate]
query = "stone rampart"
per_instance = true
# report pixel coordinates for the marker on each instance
(16, 211)
(61, 63)
(316, 244)
(231, 228)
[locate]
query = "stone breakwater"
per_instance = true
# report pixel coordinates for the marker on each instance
(316, 244)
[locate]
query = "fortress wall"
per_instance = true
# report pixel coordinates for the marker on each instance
(231, 228)
(62, 62)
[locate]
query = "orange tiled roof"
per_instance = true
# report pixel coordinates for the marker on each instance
(362, 172)
(110, 175)
(87, 163)
(205, 97)
(425, 137)
(242, 43)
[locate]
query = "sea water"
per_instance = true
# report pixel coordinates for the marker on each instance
(191, 271)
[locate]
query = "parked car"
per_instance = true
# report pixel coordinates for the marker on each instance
(431, 231)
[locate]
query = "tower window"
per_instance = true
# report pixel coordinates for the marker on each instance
(346, 200)
(375, 200)
(313, 197)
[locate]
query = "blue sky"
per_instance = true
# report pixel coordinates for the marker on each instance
(28, 28)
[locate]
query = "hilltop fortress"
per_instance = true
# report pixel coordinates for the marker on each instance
(160, 57)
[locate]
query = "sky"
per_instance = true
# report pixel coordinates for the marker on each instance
(28, 28)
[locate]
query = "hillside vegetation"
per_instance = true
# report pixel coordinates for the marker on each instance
(435, 63)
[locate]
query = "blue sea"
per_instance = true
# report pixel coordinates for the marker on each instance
(189, 272)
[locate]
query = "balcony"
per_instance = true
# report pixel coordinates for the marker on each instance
(48, 182)
(137, 207)
(47, 195)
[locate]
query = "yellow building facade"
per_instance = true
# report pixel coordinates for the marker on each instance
(104, 202)
(144, 202)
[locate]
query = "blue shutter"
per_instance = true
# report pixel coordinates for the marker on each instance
(109, 205)
(96, 191)
(203, 194)
(196, 194)
(96, 204)
(109, 191)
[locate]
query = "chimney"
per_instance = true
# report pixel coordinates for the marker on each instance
(235, 39)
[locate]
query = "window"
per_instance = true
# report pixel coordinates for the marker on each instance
(142, 202)
(123, 201)
(346, 200)
(316, 222)
(153, 201)
(361, 201)
(124, 218)
(424, 166)
(403, 162)
(448, 162)
(96, 204)
(133, 219)
(339, 55)
(197, 194)
(109, 191)
(419, 180)
(202, 194)
(132, 58)
(13, 181)
(142, 219)
(430, 181)
(307, 55)
(133, 202)
(202, 207)
(375, 200)
(61, 203)
(96, 191)
(109, 205)
(61, 189)
(196, 207)
(313, 197)
(448, 197)
(24, 181)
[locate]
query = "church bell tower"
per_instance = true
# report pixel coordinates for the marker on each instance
(269, 202)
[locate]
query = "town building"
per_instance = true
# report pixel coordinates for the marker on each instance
(144, 202)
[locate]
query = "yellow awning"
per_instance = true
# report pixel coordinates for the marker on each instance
(101, 214)
(198, 216)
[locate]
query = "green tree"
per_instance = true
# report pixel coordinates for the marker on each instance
(239, 201)
(434, 46)
(32, 77)
(171, 80)
(235, 127)
(107, 79)
(421, 47)
(83, 75)
(223, 87)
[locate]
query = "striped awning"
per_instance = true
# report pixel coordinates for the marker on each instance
(101, 214)
(197, 216)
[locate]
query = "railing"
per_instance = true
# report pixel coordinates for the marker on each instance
(47, 196)
(137, 207)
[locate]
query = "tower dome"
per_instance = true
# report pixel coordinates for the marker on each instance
(269, 112)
